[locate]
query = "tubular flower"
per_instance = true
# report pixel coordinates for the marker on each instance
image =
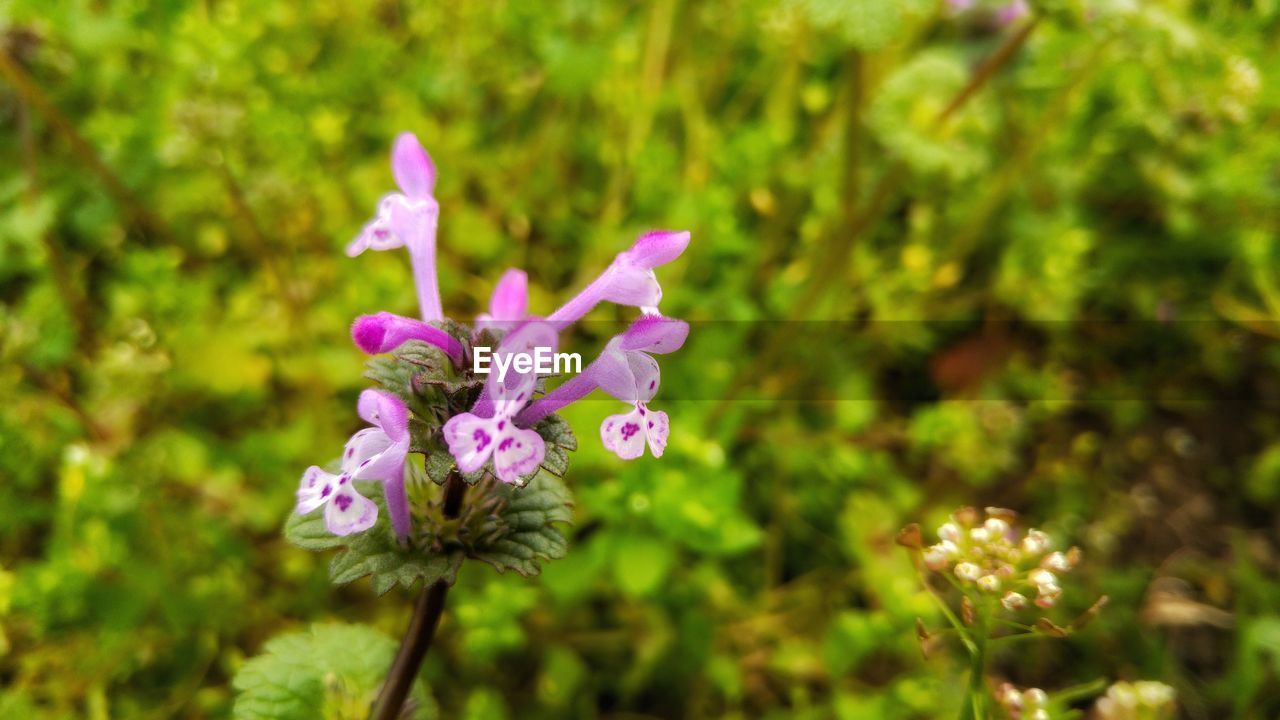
(374, 453)
(474, 438)
(497, 431)
(627, 371)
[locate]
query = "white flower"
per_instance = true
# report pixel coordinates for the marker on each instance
(989, 583)
(949, 532)
(996, 527)
(1056, 561)
(1035, 542)
(968, 571)
(1013, 601)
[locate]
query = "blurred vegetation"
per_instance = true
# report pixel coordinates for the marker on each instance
(1055, 243)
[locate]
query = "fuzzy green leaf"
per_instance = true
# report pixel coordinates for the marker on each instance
(329, 670)
(560, 441)
(522, 533)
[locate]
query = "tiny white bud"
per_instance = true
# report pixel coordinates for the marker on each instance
(949, 531)
(1056, 561)
(1035, 542)
(980, 534)
(1035, 697)
(989, 583)
(1043, 577)
(935, 558)
(1040, 714)
(996, 527)
(968, 571)
(949, 548)
(1013, 601)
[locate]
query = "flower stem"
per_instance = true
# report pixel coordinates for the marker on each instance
(975, 702)
(422, 625)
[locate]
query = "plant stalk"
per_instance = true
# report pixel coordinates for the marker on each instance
(422, 625)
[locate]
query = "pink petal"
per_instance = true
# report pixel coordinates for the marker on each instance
(386, 411)
(349, 512)
(470, 439)
(656, 430)
(384, 332)
(658, 247)
(412, 167)
(519, 452)
(624, 434)
(510, 298)
(655, 334)
(316, 488)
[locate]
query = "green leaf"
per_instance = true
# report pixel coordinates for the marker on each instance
(522, 531)
(329, 671)
(560, 441)
(374, 553)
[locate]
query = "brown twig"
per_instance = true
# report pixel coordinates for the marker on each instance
(422, 626)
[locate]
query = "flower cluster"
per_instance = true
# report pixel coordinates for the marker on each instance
(497, 432)
(988, 554)
(1142, 700)
(1029, 704)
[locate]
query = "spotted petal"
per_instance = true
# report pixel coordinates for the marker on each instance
(349, 511)
(470, 439)
(624, 434)
(316, 488)
(519, 452)
(656, 430)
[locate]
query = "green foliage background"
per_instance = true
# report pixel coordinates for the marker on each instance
(1060, 299)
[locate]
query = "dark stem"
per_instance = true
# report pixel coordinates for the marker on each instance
(422, 626)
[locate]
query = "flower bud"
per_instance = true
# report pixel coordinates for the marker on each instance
(1056, 561)
(989, 583)
(968, 571)
(1043, 577)
(1035, 542)
(1013, 601)
(1035, 697)
(980, 535)
(996, 527)
(936, 558)
(949, 532)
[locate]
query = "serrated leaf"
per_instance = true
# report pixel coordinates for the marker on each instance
(330, 670)
(309, 533)
(560, 441)
(523, 532)
(374, 552)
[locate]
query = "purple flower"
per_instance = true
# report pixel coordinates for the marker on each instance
(384, 332)
(629, 279)
(374, 453)
(626, 371)
(509, 302)
(497, 429)
(409, 219)
(490, 429)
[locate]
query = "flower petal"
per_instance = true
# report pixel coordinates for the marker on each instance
(633, 285)
(624, 435)
(386, 465)
(510, 298)
(519, 452)
(349, 511)
(658, 247)
(656, 430)
(470, 439)
(365, 444)
(647, 376)
(412, 167)
(386, 411)
(655, 334)
(378, 233)
(384, 332)
(316, 488)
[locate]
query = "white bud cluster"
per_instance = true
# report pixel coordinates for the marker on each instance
(1029, 704)
(1142, 700)
(990, 556)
